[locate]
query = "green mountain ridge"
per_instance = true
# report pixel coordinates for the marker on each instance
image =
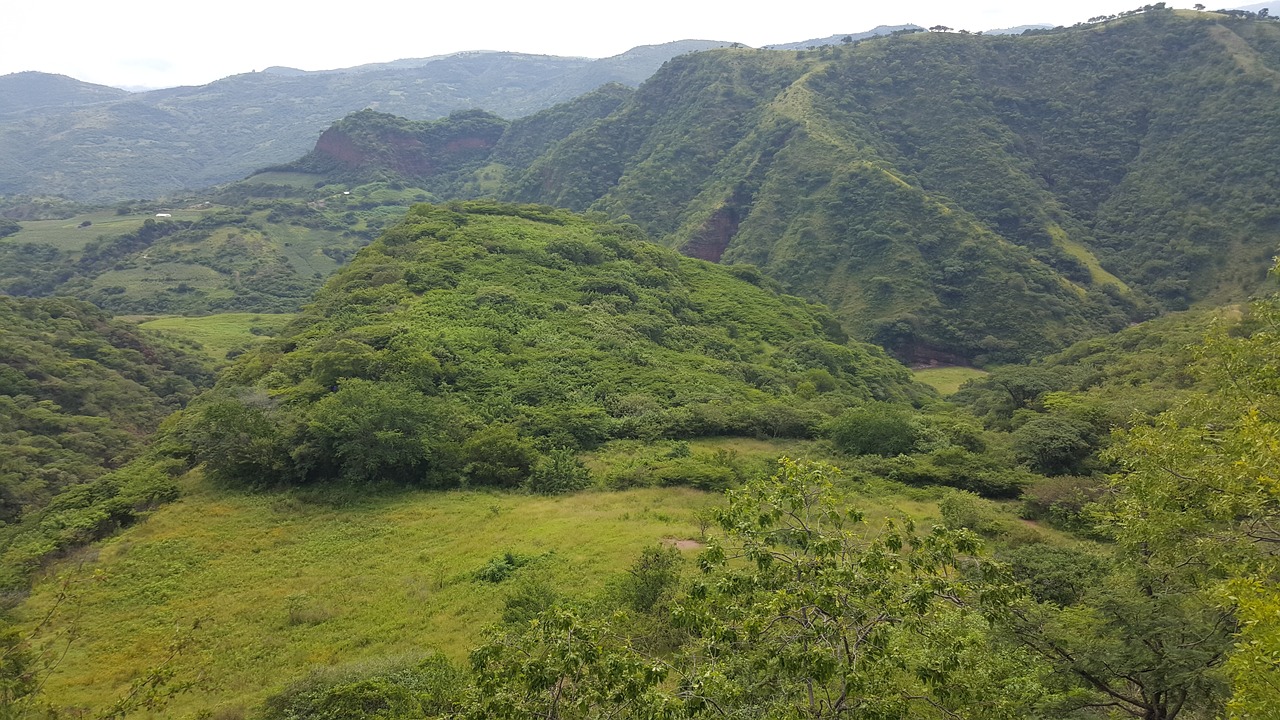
(924, 185)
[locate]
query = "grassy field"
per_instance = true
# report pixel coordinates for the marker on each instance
(68, 235)
(280, 586)
(947, 380)
(293, 179)
(217, 334)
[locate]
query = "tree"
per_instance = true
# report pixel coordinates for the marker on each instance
(874, 429)
(806, 611)
(1201, 488)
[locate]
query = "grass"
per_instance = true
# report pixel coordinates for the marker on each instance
(68, 235)
(217, 334)
(947, 380)
(305, 181)
(281, 586)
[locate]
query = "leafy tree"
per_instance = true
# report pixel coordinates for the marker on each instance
(1054, 445)
(567, 666)
(874, 429)
(805, 612)
(1199, 489)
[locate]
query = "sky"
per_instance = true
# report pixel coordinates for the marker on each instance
(150, 43)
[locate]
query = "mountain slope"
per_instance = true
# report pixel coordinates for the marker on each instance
(957, 194)
(79, 393)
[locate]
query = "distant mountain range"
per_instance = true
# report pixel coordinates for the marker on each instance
(60, 136)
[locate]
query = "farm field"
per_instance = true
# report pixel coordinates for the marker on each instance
(71, 234)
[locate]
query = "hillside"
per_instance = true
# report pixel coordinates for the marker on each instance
(479, 326)
(80, 394)
(163, 142)
(923, 185)
(263, 246)
(23, 91)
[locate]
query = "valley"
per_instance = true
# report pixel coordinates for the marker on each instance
(906, 374)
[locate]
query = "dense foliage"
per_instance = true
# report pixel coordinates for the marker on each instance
(468, 330)
(79, 395)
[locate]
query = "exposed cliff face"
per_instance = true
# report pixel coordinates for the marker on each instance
(370, 142)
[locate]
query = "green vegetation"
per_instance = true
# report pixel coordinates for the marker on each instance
(468, 478)
(924, 184)
(262, 248)
(79, 394)
(282, 584)
(517, 324)
(217, 336)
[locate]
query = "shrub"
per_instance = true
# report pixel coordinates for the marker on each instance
(559, 471)
(874, 429)
(961, 509)
(499, 457)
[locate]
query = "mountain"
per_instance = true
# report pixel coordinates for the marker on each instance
(923, 185)
(165, 141)
(840, 39)
(24, 91)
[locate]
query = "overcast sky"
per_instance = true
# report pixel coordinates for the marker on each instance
(152, 43)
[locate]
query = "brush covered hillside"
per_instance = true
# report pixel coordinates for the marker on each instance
(924, 185)
(80, 394)
(469, 336)
(261, 246)
(161, 142)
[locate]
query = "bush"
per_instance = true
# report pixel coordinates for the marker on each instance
(1061, 500)
(387, 691)
(559, 471)
(874, 429)
(962, 509)
(499, 457)
(651, 577)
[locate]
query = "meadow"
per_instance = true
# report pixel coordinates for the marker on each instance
(947, 380)
(72, 234)
(284, 583)
(218, 334)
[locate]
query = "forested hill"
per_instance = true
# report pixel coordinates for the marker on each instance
(954, 195)
(79, 394)
(470, 334)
